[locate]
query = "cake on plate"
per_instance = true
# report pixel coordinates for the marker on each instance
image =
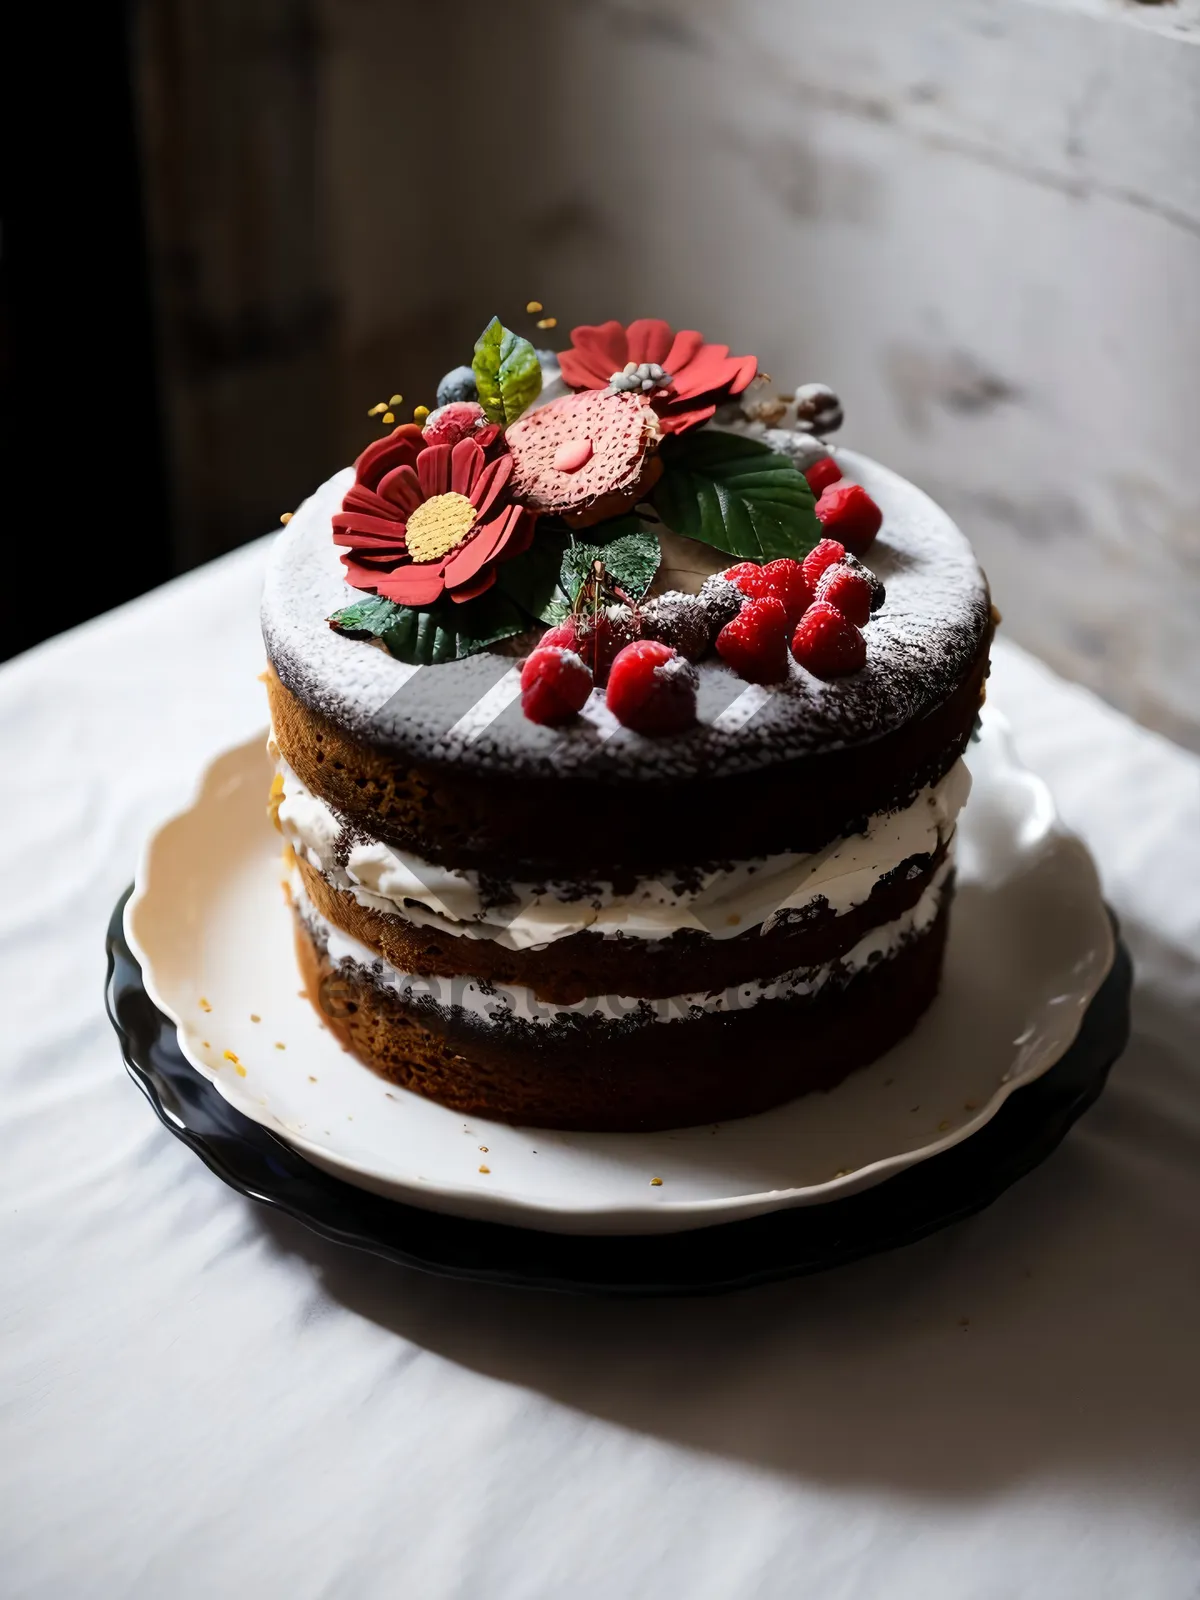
(619, 723)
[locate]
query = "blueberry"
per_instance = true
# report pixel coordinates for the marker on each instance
(457, 385)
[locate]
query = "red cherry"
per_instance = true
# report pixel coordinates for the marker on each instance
(755, 642)
(848, 590)
(827, 643)
(555, 685)
(599, 637)
(562, 635)
(652, 688)
(822, 473)
(847, 510)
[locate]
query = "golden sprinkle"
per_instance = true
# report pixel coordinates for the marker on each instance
(656, 1183)
(396, 400)
(943, 1125)
(388, 417)
(842, 1172)
(311, 1079)
(548, 322)
(733, 919)
(279, 1045)
(254, 1017)
(420, 413)
(532, 306)
(204, 1044)
(286, 518)
(204, 1004)
(376, 410)
(484, 1149)
(275, 800)
(240, 1070)
(228, 1055)
(485, 1169)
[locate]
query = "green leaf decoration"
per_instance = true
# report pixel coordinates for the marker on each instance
(446, 631)
(507, 372)
(737, 495)
(628, 549)
(367, 618)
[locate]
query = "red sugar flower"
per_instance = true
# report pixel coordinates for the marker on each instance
(700, 376)
(422, 520)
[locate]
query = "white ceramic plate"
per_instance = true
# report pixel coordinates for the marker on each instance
(1030, 943)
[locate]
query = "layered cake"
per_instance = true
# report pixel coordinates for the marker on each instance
(619, 723)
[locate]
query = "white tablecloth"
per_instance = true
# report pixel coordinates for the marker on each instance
(201, 1400)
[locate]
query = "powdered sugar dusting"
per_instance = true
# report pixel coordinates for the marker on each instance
(918, 648)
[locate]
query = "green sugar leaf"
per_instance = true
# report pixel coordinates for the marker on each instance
(628, 549)
(366, 618)
(737, 495)
(507, 373)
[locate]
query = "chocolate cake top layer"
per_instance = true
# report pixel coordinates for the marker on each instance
(467, 714)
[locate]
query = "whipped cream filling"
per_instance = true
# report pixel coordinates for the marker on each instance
(721, 902)
(495, 1003)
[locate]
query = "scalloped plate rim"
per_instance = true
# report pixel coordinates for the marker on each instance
(522, 1210)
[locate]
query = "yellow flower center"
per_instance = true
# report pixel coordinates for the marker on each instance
(438, 525)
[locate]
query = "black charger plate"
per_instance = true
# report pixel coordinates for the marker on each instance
(735, 1255)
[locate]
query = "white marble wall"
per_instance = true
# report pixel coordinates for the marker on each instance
(979, 219)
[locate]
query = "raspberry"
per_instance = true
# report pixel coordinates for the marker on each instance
(755, 642)
(782, 580)
(848, 591)
(822, 473)
(827, 643)
(652, 688)
(878, 592)
(450, 423)
(785, 580)
(821, 556)
(847, 510)
(554, 685)
(746, 572)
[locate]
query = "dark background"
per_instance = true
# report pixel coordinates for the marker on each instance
(178, 367)
(88, 519)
